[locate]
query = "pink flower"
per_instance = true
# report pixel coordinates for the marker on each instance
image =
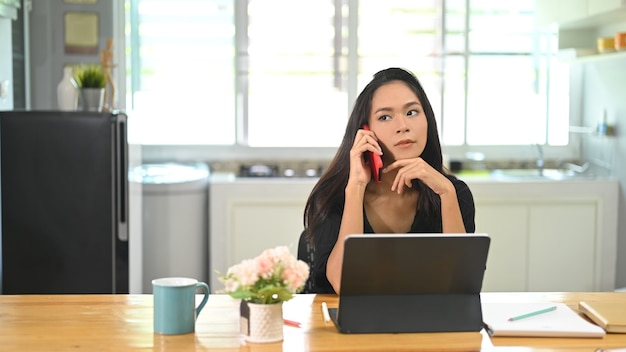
(265, 264)
(282, 275)
(296, 276)
(245, 272)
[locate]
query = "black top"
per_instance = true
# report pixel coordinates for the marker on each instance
(326, 237)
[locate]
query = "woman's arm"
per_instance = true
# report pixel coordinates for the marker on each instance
(352, 217)
(451, 218)
(417, 168)
(351, 223)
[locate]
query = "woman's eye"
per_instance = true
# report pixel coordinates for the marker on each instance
(384, 118)
(412, 113)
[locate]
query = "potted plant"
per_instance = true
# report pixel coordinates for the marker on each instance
(91, 82)
(263, 284)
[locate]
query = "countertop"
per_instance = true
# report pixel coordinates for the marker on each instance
(470, 177)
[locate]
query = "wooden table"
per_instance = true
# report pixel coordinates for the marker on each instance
(124, 323)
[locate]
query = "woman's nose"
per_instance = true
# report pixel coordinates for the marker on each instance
(402, 126)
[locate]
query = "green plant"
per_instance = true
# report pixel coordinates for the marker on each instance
(90, 76)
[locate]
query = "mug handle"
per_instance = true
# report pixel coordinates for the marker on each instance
(204, 299)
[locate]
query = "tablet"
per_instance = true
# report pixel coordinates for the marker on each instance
(411, 283)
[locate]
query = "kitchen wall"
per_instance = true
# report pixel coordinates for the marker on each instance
(601, 85)
(47, 50)
(604, 87)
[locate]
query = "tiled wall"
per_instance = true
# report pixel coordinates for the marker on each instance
(286, 168)
(603, 87)
(314, 168)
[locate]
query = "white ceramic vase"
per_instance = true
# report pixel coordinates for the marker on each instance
(67, 91)
(264, 322)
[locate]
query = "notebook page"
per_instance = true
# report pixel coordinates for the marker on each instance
(561, 322)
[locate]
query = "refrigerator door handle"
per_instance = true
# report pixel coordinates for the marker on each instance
(121, 177)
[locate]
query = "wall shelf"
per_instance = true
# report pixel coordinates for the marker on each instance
(597, 57)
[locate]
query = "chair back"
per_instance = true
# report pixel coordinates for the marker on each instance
(306, 253)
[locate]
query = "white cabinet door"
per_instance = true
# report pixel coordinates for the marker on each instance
(540, 245)
(560, 11)
(562, 247)
(249, 216)
(571, 10)
(595, 7)
(257, 224)
(545, 236)
(507, 226)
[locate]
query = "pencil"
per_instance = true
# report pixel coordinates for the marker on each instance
(532, 314)
(292, 323)
(325, 312)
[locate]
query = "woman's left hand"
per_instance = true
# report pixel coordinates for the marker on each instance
(417, 168)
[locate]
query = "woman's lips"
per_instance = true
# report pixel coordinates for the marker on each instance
(404, 143)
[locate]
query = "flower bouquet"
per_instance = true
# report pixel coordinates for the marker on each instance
(263, 284)
(272, 277)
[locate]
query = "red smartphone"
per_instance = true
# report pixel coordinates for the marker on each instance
(375, 161)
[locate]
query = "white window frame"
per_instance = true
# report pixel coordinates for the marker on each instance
(240, 151)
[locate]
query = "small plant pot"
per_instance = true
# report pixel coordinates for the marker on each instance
(262, 323)
(92, 99)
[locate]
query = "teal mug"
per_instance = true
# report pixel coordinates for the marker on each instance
(175, 310)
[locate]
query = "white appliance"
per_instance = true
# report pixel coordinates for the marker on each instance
(175, 220)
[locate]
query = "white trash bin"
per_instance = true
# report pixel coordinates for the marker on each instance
(175, 221)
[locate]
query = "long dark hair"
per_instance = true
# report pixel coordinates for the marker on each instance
(328, 197)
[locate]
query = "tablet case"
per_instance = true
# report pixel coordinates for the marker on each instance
(396, 283)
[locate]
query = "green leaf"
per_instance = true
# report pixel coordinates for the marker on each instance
(241, 295)
(91, 76)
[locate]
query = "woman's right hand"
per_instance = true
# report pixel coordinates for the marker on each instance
(360, 172)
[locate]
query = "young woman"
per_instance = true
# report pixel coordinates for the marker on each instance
(415, 193)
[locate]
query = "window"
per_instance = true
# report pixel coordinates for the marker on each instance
(284, 73)
(181, 79)
(294, 81)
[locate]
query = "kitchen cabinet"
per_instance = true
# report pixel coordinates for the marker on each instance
(571, 10)
(549, 236)
(546, 235)
(618, 55)
(581, 22)
(563, 239)
(595, 7)
(539, 245)
(248, 215)
(506, 224)
(579, 39)
(579, 13)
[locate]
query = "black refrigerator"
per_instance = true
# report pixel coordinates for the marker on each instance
(64, 209)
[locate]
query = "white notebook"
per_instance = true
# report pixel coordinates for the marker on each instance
(559, 322)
